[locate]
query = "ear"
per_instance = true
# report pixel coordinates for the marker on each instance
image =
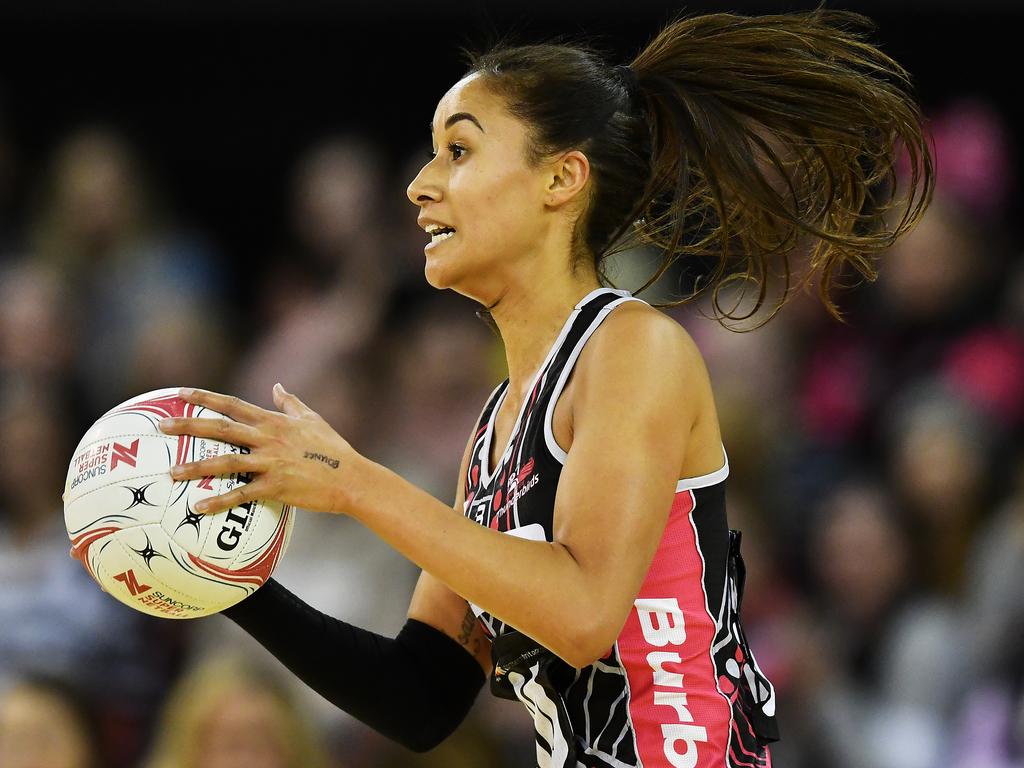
(567, 178)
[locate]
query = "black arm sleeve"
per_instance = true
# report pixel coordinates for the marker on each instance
(414, 689)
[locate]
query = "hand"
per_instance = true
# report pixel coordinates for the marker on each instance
(295, 456)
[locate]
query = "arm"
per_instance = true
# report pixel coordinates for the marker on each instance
(415, 689)
(435, 604)
(636, 389)
(640, 385)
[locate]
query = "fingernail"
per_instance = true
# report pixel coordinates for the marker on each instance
(166, 424)
(278, 386)
(177, 471)
(202, 506)
(186, 392)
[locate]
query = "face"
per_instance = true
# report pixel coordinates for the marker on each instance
(857, 521)
(243, 732)
(480, 187)
(38, 731)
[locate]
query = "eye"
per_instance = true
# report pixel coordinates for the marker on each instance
(457, 151)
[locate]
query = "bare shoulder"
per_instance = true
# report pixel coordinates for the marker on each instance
(642, 368)
(639, 342)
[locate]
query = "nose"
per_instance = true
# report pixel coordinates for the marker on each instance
(423, 189)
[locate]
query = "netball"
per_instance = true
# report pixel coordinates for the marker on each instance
(137, 531)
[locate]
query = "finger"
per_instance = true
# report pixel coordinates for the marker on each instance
(289, 403)
(240, 495)
(228, 464)
(229, 405)
(225, 430)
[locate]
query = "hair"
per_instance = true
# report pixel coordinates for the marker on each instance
(749, 140)
(74, 701)
(201, 691)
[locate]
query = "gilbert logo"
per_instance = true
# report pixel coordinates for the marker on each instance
(127, 454)
(128, 579)
(662, 623)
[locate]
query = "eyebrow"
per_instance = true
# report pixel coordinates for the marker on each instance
(452, 120)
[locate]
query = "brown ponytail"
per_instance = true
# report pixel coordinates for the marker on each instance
(739, 139)
(769, 129)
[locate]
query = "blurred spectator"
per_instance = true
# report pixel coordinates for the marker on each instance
(751, 375)
(56, 621)
(323, 300)
(46, 724)
(943, 464)
(880, 673)
(443, 364)
(479, 741)
(935, 286)
(36, 340)
(977, 154)
(132, 271)
(989, 729)
(994, 601)
(226, 714)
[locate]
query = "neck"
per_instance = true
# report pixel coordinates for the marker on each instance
(530, 318)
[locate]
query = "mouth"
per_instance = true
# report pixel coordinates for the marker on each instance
(439, 233)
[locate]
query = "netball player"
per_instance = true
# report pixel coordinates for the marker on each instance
(587, 567)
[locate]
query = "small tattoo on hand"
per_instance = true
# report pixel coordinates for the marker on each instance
(332, 463)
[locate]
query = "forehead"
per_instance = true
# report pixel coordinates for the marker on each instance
(471, 95)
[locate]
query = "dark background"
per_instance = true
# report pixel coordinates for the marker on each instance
(221, 98)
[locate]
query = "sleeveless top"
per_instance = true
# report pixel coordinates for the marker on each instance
(680, 687)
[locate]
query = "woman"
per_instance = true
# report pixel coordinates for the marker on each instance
(224, 714)
(44, 723)
(577, 569)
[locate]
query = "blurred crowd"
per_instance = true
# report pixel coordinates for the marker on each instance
(877, 469)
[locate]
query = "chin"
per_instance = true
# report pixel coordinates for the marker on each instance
(438, 274)
(448, 270)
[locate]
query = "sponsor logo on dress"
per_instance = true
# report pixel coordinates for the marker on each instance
(661, 620)
(521, 483)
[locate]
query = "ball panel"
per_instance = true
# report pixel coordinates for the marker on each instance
(193, 531)
(144, 569)
(251, 566)
(268, 518)
(229, 532)
(120, 459)
(182, 524)
(156, 394)
(126, 502)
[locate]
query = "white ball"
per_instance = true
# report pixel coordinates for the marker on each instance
(135, 529)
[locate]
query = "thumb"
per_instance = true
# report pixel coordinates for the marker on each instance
(288, 403)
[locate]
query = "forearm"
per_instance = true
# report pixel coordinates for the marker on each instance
(536, 587)
(415, 688)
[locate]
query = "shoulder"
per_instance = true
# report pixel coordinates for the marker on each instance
(637, 334)
(639, 348)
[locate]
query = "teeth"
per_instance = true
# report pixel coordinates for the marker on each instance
(432, 228)
(438, 238)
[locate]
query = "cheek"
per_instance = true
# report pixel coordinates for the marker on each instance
(499, 212)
